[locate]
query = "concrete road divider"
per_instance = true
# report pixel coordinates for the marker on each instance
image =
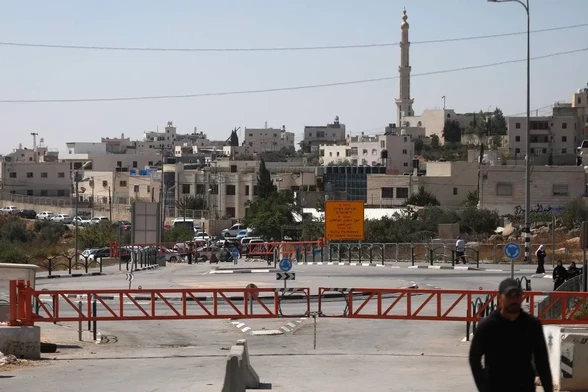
(239, 374)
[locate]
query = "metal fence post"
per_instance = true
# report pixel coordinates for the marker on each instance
(412, 253)
(94, 312)
(80, 322)
(453, 257)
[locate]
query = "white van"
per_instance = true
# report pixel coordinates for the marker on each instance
(190, 223)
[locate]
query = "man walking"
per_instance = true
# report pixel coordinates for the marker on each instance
(460, 250)
(510, 340)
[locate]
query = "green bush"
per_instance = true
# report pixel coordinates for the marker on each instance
(99, 235)
(178, 234)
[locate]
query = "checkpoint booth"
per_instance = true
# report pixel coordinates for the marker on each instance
(10, 272)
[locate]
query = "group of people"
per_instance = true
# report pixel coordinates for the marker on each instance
(560, 273)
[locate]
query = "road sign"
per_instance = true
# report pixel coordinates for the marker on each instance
(285, 276)
(512, 250)
(235, 253)
(130, 277)
(285, 265)
(344, 220)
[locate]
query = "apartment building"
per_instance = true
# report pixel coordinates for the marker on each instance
(261, 140)
(47, 179)
(155, 140)
(393, 151)
(111, 162)
(315, 135)
(503, 187)
(433, 121)
(450, 182)
(121, 187)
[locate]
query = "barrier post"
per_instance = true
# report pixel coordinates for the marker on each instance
(431, 255)
(94, 332)
(412, 253)
(89, 322)
(80, 322)
(453, 257)
(348, 252)
(359, 253)
(477, 258)
(12, 304)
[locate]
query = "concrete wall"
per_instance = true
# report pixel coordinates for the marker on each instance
(22, 342)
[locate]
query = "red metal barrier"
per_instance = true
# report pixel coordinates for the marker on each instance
(156, 304)
(442, 305)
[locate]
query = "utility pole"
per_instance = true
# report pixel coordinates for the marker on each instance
(110, 203)
(76, 180)
(162, 191)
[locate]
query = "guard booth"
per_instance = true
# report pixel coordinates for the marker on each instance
(8, 272)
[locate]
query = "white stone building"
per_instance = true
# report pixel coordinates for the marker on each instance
(45, 179)
(261, 140)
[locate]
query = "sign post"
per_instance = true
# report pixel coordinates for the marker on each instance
(344, 220)
(285, 266)
(584, 243)
(512, 250)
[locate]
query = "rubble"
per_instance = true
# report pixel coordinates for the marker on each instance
(8, 359)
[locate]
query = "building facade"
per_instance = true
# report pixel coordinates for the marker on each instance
(260, 140)
(315, 135)
(46, 179)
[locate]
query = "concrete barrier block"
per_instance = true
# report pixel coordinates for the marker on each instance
(249, 374)
(234, 381)
(22, 342)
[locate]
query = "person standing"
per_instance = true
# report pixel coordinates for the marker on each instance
(460, 250)
(573, 271)
(510, 340)
(560, 274)
(541, 255)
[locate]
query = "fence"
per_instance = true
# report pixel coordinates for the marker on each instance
(550, 308)
(64, 262)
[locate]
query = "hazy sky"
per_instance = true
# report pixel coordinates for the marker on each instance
(38, 73)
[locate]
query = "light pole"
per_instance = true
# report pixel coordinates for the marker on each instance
(527, 133)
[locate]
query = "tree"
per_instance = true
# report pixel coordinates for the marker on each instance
(178, 234)
(499, 126)
(574, 214)
(478, 126)
(269, 214)
(435, 142)
(234, 139)
(471, 199)
(191, 203)
(418, 146)
(422, 198)
(265, 185)
(99, 235)
(478, 221)
(452, 131)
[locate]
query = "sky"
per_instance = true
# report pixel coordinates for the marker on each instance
(29, 73)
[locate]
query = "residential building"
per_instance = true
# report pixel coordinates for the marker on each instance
(112, 162)
(155, 140)
(261, 140)
(315, 135)
(450, 182)
(74, 148)
(120, 187)
(503, 187)
(347, 182)
(47, 179)
(393, 151)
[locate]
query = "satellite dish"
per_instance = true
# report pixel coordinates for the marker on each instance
(82, 190)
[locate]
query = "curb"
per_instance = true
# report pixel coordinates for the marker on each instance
(244, 271)
(84, 275)
(290, 327)
(293, 326)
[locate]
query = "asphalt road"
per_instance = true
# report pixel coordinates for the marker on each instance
(189, 355)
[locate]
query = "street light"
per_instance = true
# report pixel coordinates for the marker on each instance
(527, 133)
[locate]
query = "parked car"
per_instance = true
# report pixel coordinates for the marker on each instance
(241, 234)
(9, 210)
(233, 230)
(98, 219)
(62, 218)
(123, 225)
(45, 215)
(189, 223)
(201, 236)
(87, 252)
(253, 248)
(205, 252)
(99, 254)
(27, 214)
(81, 220)
(170, 255)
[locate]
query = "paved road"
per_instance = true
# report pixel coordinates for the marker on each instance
(350, 354)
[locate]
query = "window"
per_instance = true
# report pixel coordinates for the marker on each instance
(122, 183)
(29, 174)
(517, 150)
(518, 125)
(387, 193)
(454, 191)
(185, 188)
(579, 100)
(532, 151)
(60, 192)
(320, 134)
(365, 151)
(230, 190)
(402, 193)
(13, 175)
(246, 190)
(504, 189)
(118, 163)
(104, 183)
(43, 192)
(564, 150)
(29, 192)
(44, 175)
(150, 163)
(148, 188)
(254, 190)
(230, 212)
(517, 138)
(233, 168)
(564, 138)
(337, 153)
(214, 189)
(405, 164)
(374, 151)
(135, 164)
(564, 125)
(544, 151)
(60, 175)
(136, 188)
(77, 165)
(199, 189)
(560, 189)
(382, 144)
(404, 151)
(405, 139)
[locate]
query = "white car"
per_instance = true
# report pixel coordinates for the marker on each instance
(62, 218)
(45, 215)
(233, 230)
(201, 236)
(98, 219)
(81, 221)
(9, 210)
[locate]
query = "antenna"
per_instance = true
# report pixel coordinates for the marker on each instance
(34, 135)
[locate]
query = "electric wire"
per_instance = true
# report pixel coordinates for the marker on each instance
(291, 88)
(280, 49)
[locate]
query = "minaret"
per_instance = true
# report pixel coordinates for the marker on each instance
(404, 102)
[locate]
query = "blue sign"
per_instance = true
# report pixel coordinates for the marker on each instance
(285, 265)
(512, 250)
(235, 253)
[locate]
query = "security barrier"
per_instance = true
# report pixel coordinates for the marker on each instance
(66, 263)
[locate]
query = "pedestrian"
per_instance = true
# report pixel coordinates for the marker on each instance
(460, 250)
(560, 274)
(190, 252)
(541, 255)
(573, 270)
(510, 340)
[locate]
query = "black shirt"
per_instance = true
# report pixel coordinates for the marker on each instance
(508, 348)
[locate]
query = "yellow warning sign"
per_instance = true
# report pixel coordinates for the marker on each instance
(344, 220)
